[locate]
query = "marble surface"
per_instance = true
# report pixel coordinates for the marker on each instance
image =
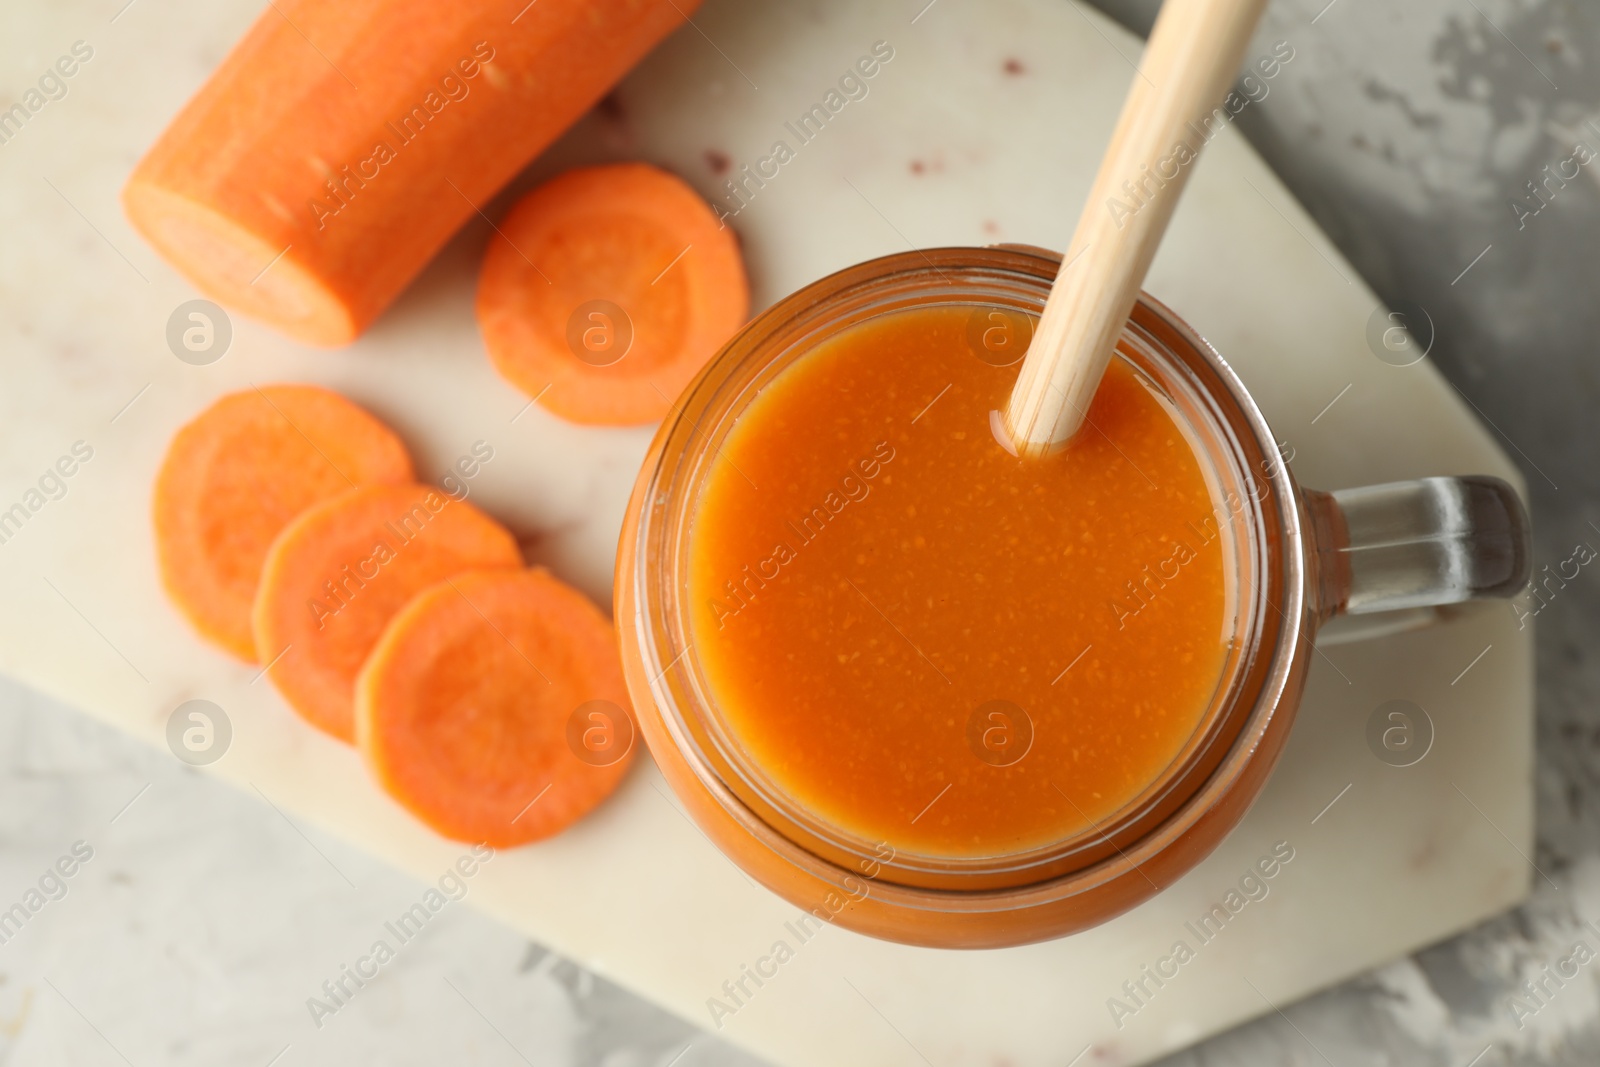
(193, 938)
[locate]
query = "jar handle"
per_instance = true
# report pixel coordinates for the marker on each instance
(1420, 544)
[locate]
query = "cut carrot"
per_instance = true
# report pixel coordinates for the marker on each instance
(493, 708)
(236, 475)
(339, 145)
(336, 576)
(606, 290)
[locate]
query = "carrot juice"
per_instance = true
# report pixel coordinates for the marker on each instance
(928, 643)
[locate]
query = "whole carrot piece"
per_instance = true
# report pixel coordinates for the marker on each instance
(340, 145)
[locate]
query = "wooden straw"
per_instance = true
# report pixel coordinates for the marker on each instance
(1193, 57)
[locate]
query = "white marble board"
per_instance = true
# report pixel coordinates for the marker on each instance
(984, 127)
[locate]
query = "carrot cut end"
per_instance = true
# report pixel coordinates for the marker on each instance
(238, 268)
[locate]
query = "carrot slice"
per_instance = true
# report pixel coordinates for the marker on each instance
(236, 475)
(493, 708)
(339, 145)
(607, 290)
(337, 574)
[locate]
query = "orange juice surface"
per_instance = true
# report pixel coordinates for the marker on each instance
(928, 642)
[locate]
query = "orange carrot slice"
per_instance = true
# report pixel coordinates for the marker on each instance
(606, 290)
(339, 145)
(336, 576)
(493, 707)
(236, 475)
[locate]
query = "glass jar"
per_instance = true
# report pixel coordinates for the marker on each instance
(1294, 558)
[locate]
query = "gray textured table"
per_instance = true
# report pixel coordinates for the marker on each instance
(1411, 132)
